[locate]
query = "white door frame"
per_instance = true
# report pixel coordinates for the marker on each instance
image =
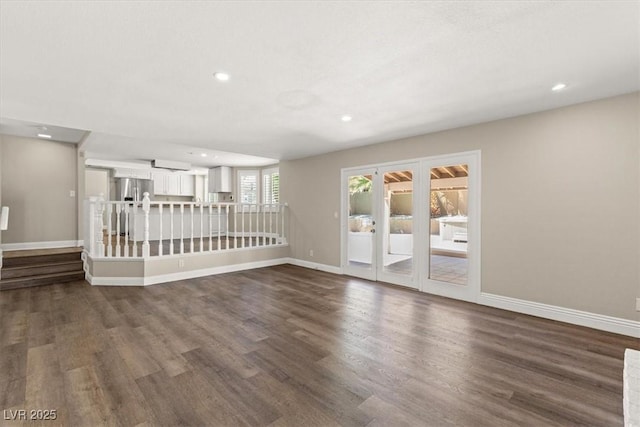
(470, 291)
(358, 271)
(387, 276)
(421, 216)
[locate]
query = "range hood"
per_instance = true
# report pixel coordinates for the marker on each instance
(170, 164)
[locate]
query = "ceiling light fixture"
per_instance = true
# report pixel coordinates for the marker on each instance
(44, 135)
(346, 118)
(558, 87)
(203, 154)
(223, 77)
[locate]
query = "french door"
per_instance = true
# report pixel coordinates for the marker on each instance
(415, 224)
(379, 223)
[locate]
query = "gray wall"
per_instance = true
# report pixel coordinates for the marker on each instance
(36, 179)
(582, 160)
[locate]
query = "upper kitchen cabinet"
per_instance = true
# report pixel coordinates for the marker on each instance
(173, 184)
(220, 180)
(187, 185)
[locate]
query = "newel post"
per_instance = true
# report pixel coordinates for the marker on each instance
(98, 248)
(146, 207)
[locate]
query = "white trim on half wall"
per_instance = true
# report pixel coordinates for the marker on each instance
(40, 245)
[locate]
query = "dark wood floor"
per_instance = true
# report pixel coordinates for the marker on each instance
(291, 346)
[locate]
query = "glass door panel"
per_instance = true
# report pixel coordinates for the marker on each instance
(448, 237)
(360, 224)
(397, 226)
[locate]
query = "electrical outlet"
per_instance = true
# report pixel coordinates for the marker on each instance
(310, 252)
(72, 193)
(637, 304)
(181, 263)
(335, 215)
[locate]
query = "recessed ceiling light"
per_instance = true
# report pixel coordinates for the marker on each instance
(203, 154)
(223, 77)
(44, 135)
(558, 87)
(346, 118)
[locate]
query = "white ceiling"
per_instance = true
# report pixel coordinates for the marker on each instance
(31, 130)
(139, 74)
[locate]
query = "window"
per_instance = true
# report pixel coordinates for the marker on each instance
(253, 190)
(248, 186)
(271, 186)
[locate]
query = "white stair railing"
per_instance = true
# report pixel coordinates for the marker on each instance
(116, 228)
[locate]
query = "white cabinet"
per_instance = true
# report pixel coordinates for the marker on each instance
(187, 185)
(220, 180)
(173, 184)
(159, 185)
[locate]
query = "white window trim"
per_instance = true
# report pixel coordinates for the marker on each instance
(267, 172)
(248, 172)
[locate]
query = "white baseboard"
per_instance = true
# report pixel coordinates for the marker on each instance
(182, 275)
(315, 266)
(40, 245)
(562, 314)
(552, 312)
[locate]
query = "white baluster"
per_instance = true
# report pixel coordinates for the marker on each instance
(181, 228)
(118, 247)
(127, 210)
(146, 207)
(219, 212)
(202, 228)
(264, 224)
(277, 221)
(227, 227)
(243, 215)
(160, 249)
(270, 223)
(235, 226)
(109, 215)
(250, 225)
(134, 230)
(171, 229)
(211, 228)
(192, 227)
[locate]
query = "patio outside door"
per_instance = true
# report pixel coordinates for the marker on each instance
(359, 223)
(415, 224)
(380, 223)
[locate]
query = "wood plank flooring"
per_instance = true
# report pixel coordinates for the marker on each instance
(287, 346)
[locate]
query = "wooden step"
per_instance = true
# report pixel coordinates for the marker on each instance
(43, 279)
(12, 259)
(40, 269)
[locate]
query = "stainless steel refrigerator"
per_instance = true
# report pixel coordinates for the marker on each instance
(132, 189)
